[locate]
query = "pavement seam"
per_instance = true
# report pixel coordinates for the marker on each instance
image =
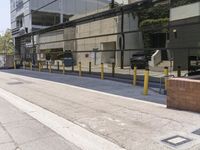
(10, 136)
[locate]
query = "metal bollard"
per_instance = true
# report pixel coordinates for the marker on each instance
(113, 69)
(14, 63)
(90, 67)
(31, 66)
(179, 71)
(63, 68)
(24, 67)
(135, 76)
(58, 65)
(102, 71)
(72, 66)
(80, 71)
(47, 65)
(146, 82)
(166, 73)
(50, 68)
(39, 67)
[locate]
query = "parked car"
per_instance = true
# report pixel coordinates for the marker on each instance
(68, 59)
(140, 60)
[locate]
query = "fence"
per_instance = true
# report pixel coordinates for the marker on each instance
(107, 65)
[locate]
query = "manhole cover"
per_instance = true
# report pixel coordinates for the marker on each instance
(14, 83)
(197, 132)
(176, 140)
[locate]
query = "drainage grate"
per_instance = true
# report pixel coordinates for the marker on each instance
(14, 83)
(197, 132)
(176, 140)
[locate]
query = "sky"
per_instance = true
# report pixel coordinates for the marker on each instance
(4, 15)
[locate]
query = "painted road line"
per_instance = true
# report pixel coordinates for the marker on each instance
(89, 90)
(73, 133)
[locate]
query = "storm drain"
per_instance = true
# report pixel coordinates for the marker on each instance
(14, 83)
(176, 140)
(197, 132)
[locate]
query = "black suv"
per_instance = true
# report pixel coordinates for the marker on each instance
(140, 60)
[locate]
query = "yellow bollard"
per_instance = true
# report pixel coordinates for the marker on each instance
(135, 76)
(80, 69)
(146, 82)
(90, 67)
(42, 66)
(166, 73)
(31, 66)
(50, 68)
(102, 71)
(39, 65)
(14, 65)
(63, 68)
(113, 70)
(24, 67)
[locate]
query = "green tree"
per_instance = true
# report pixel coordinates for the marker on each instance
(6, 43)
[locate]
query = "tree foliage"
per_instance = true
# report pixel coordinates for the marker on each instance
(6, 43)
(151, 18)
(154, 12)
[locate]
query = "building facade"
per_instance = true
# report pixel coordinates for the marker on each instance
(89, 38)
(185, 35)
(31, 15)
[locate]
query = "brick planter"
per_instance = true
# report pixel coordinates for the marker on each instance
(184, 94)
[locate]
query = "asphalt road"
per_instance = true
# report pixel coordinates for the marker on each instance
(131, 123)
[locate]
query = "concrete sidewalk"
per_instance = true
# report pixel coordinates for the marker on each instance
(18, 131)
(107, 86)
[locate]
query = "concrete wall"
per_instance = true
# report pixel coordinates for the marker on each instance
(101, 27)
(6, 61)
(69, 33)
(106, 26)
(184, 12)
(132, 40)
(133, 1)
(50, 37)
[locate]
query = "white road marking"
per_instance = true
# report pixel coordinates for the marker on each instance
(68, 130)
(90, 90)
